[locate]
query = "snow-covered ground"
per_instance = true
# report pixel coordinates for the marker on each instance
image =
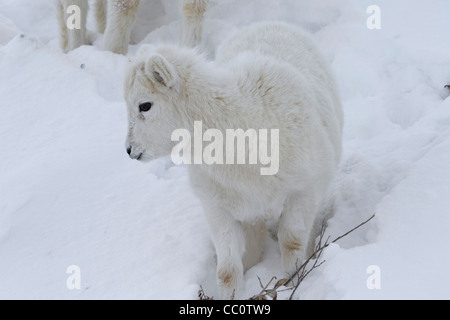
(69, 195)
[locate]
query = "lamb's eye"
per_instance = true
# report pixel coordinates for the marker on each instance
(144, 107)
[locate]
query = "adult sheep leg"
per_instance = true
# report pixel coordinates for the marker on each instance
(72, 17)
(101, 13)
(121, 18)
(193, 16)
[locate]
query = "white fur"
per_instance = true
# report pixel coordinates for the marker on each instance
(116, 18)
(268, 76)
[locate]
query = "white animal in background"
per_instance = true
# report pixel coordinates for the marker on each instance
(267, 76)
(116, 18)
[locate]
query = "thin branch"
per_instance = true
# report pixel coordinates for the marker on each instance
(267, 292)
(202, 295)
(357, 227)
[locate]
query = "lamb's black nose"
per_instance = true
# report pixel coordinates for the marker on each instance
(129, 150)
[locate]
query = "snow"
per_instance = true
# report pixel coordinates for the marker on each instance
(70, 195)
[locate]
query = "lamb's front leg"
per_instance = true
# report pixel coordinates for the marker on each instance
(229, 240)
(121, 17)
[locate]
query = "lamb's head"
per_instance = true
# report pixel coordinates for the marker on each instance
(152, 91)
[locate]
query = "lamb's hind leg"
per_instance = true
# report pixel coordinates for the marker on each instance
(295, 228)
(121, 18)
(72, 17)
(193, 17)
(254, 239)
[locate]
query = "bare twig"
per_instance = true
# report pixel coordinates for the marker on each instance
(357, 227)
(273, 293)
(202, 295)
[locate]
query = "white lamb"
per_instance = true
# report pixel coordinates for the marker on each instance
(268, 76)
(116, 18)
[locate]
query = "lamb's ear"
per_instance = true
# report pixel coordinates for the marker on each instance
(161, 71)
(145, 50)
